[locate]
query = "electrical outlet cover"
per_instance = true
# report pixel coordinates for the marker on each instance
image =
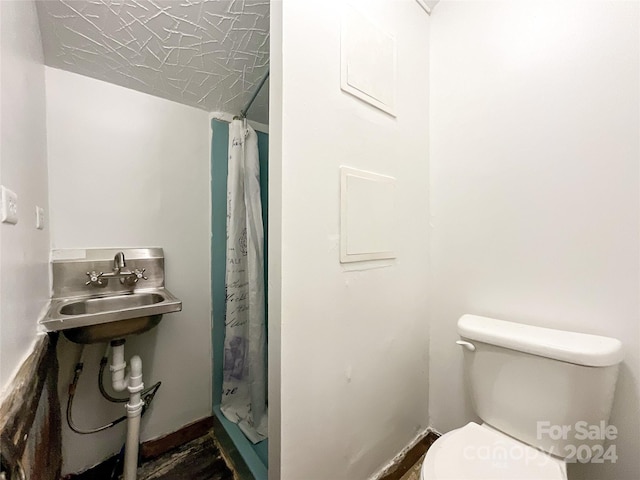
(9, 206)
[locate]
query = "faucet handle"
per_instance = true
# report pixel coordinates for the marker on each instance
(133, 277)
(139, 274)
(96, 279)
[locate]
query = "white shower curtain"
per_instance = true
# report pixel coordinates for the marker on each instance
(244, 371)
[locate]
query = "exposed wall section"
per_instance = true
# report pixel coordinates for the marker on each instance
(30, 415)
(128, 169)
(354, 344)
(24, 251)
(535, 138)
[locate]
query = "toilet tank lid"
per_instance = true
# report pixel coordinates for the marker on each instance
(571, 347)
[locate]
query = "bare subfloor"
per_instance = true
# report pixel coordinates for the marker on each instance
(199, 459)
(414, 472)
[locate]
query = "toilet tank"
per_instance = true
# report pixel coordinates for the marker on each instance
(551, 389)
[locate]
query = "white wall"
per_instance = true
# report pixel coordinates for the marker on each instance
(354, 344)
(274, 235)
(129, 169)
(535, 186)
(24, 251)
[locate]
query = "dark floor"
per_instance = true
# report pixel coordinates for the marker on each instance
(199, 459)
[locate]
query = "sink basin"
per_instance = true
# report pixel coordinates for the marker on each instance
(115, 302)
(101, 318)
(105, 332)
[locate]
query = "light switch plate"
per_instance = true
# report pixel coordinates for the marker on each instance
(8, 206)
(39, 218)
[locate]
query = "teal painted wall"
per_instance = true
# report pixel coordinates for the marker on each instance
(219, 170)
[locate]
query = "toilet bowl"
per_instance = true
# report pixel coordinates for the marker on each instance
(481, 452)
(523, 380)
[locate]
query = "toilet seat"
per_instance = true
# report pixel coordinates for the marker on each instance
(478, 452)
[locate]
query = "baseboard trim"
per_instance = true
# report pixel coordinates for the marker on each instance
(158, 446)
(403, 463)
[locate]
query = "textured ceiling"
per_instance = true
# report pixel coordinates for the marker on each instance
(209, 54)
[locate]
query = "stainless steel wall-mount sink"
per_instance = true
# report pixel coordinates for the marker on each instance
(113, 303)
(87, 308)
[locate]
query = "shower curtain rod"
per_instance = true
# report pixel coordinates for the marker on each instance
(243, 112)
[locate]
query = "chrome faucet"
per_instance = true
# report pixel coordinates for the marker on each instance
(119, 262)
(127, 277)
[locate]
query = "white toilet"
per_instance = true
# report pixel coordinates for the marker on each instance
(537, 390)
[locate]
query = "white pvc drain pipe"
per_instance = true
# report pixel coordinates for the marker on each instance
(132, 382)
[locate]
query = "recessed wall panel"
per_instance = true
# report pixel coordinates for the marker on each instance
(367, 217)
(368, 61)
